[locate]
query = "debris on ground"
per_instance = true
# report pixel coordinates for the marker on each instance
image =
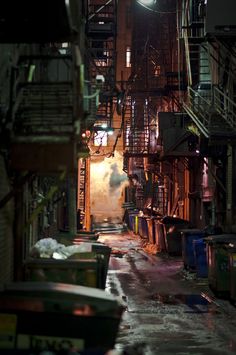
(118, 253)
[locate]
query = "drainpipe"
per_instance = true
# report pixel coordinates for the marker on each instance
(87, 195)
(72, 208)
(229, 182)
(213, 212)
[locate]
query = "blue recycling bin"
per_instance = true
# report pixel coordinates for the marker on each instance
(142, 227)
(200, 254)
(188, 236)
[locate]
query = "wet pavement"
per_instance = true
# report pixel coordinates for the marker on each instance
(168, 310)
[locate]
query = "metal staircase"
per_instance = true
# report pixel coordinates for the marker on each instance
(101, 52)
(44, 105)
(81, 185)
(211, 109)
(45, 109)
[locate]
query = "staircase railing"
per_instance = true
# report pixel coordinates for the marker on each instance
(199, 108)
(212, 111)
(224, 106)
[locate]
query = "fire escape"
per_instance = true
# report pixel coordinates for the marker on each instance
(209, 105)
(153, 88)
(208, 32)
(100, 79)
(101, 57)
(42, 114)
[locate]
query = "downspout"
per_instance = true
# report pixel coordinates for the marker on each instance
(229, 185)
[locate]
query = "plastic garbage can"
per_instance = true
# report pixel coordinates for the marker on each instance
(142, 227)
(200, 256)
(218, 262)
(159, 235)
(232, 272)
(172, 227)
(151, 230)
(188, 236)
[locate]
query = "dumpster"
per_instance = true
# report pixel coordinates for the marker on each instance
(232, 272)
(57, 317)
(172, 227)
(200, 256)
(218, 262)
(188, 236)
(102, 252)
(86, 272)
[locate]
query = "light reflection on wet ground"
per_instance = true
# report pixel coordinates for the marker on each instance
(165, 312)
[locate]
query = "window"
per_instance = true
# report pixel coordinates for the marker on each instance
(100, 139)
(128, 57)
(157, 70)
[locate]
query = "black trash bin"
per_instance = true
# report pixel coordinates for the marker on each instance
(172, 227)
(55, 316)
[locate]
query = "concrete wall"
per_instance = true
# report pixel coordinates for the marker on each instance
(107, 188)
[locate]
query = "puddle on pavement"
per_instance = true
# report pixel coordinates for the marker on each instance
(196, 303)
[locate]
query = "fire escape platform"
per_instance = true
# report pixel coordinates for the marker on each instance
(36, 21)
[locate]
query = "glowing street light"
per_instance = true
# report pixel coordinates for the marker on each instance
(147, 2)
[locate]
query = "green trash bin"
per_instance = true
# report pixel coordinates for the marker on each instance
(218, 262)
(232, 271)
(85, 272)
(55, 317)
(102, 253)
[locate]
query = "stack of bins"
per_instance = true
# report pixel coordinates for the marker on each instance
(218, 263)
(63, 317)
(188, 237)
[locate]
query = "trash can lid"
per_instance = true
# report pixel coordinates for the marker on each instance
(192, 231)
(221, 238)
(67, 296)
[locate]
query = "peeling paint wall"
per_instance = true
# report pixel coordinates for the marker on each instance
(107, 187)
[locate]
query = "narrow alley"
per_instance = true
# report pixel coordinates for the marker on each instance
(117, 177)
(168, 311)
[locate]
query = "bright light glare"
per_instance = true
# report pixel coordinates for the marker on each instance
(147, 2)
